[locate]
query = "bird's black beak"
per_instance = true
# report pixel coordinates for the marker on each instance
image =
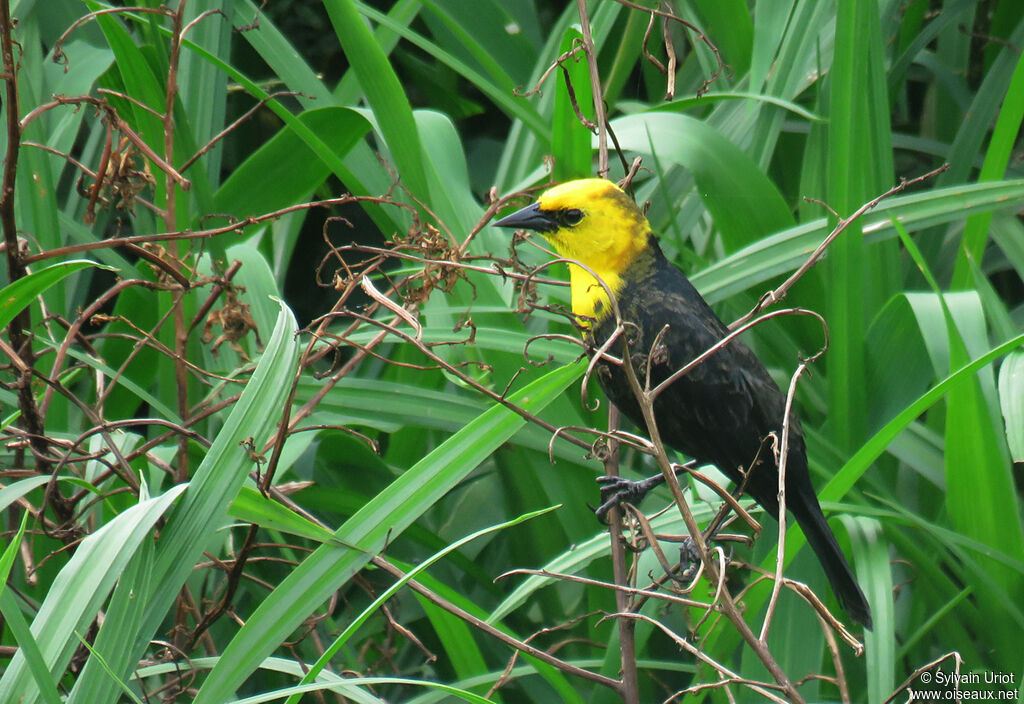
(529, 218)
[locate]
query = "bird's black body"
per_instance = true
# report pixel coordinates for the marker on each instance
(722, 410)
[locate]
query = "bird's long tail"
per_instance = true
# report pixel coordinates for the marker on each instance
(837, 569)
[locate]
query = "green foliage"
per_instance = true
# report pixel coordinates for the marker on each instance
(201, 485)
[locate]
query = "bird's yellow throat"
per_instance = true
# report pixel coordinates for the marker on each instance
(611, 233)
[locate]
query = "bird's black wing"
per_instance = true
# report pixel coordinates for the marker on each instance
(722, 410)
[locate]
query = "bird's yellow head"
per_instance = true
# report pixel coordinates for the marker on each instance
(593, 222)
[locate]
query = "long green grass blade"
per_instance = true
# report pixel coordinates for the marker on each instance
(84, 585)
(383, 92)
(354, 625)
(386, 515)
(1000, 148)
(17, 296)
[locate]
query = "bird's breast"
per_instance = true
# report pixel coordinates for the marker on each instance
(590, 298)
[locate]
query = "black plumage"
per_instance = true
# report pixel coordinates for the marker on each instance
(720, 412)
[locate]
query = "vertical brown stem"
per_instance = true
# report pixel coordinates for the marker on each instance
(15, 267)
(18, 330)
(170, 185)
(627, 642)
(595, 89)
(181, 328)
(727, 604)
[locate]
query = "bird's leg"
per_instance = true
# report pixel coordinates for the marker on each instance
(616, 490)
(689, 558)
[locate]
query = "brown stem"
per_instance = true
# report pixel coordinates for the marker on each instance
(595, 89)
(776, 295)
(181, 329)
(215, 292)
(18, 330)
(630, 691)
(701, 37)
(727, 604)
(782, 458)
(236, 226)
(234, 578)
(485, 627)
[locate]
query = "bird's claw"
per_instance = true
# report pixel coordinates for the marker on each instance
(616, 490)
(689, 559)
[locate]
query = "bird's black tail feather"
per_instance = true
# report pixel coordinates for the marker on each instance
(837, 569)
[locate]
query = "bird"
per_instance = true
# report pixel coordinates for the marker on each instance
(724, 409)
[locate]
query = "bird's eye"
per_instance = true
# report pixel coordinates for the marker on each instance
(572, 217)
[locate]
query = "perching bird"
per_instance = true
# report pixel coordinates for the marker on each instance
(722, 410)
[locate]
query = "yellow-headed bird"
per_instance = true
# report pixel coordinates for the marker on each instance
(722, 410)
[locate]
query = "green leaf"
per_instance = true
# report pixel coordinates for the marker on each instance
(875, 446)
(250, 506)
(500, 90)
(871, 555)
(17, 296)
(1011, 398)
(77, 595)
(745, 205)
(383, 518)
(859, 165)
(286, 169)
(383, 92)
(11, 552)
(10, 494)
(973, 129)
(16, 621)
(681, 104)
(786, 250)
(28, 648)
(359, 620)
(202, 511)
(570, 140)
(979, 485)
(1000, 148)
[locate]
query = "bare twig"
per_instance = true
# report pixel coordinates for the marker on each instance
(595, 89)
(627, 643)
(18, 330)
(646, 402)
(727, 675)
(782, 457)
(490, 630)
(779, 293)
(701, 37)
(627, 590)
(957, 664)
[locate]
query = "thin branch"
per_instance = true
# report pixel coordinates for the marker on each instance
(782, 460)
(58, 46)
(728, 675)
(234, 125)
(595, 89)
(236, 226)
(778, 294)
(958, 662)
(622, 588)
(18, 329)
(701, 37)
(645, 399)
(627, 641)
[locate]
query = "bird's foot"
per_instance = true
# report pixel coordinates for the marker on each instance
(616, 490)
(689, 560)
